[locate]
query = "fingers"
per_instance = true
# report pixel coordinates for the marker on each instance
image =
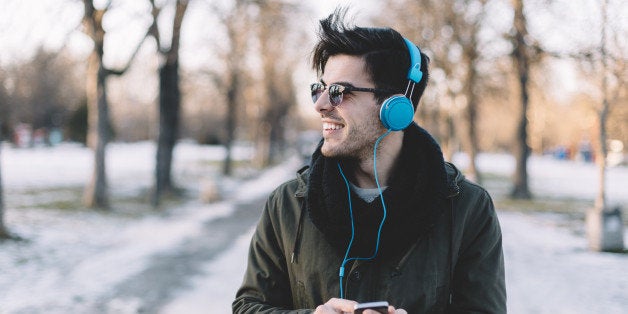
(342, 304)
(335, 305)
(399, 311)
(392, 310)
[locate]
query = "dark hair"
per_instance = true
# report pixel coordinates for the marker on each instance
(383, 49)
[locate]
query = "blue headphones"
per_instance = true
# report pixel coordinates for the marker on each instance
(397, 111)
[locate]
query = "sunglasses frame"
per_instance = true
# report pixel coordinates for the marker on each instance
(338, 91)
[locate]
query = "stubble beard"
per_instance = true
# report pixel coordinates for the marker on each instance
(357, 144)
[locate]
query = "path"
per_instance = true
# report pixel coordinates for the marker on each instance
(170, 272)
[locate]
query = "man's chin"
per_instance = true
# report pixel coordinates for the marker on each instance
(333, 151)
(328, 150)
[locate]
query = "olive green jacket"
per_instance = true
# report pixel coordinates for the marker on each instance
(292, 269)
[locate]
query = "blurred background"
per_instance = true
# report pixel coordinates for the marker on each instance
(239, 70)
(526, 77)
(135, 107)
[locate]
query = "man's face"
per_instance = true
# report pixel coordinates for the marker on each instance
(351, 128)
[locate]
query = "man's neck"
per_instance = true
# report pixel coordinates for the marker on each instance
(387, 153)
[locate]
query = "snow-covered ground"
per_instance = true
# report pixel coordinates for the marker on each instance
(73, 259)
(553, 178)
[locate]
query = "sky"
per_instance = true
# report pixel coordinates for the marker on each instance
(27, 24)
(24, 24)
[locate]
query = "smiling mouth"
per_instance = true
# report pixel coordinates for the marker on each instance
(327, 126)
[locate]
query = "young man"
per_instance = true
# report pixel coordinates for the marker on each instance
(378, 215)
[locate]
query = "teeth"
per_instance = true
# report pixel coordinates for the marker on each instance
(331, 126)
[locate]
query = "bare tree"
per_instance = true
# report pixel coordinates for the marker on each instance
(38, 100)
(277, 67)
(4, 99)
(466, 29)
(236, 21)
(611, 68)
(452, 33)
(522, 55)
(99, 125)
(32, 94)
(4, 233)
(6, 103)
(169, 99)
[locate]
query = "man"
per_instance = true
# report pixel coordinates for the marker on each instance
(378, 215)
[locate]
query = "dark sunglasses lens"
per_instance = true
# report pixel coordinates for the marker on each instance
(335, 94)
(317, 90)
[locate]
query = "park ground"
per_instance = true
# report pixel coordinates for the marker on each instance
(188, 256)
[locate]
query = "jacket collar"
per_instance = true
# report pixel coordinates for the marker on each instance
(419, 186)
(454, 178)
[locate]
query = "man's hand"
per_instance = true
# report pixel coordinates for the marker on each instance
(335, 305)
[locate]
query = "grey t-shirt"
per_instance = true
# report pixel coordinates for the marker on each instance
(367, 195)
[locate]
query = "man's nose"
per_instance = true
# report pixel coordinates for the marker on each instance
(322, 104)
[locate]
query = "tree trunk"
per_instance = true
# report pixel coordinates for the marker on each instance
(271, 129)
(605, 229)
(600, 200)
(169, 101)
(276, 136)
(231, 123)
(262, 144)
(96, 194)
(169, 112)
(449, 137)
(471, 115)
(4, 233)
(99, 126)
(522, 62)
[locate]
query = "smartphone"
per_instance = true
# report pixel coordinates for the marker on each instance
(379, 307)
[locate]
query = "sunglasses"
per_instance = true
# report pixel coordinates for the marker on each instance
(336, 91)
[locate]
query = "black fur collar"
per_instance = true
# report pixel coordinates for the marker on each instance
(414, 199)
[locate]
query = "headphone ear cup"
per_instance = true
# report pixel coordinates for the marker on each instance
(396, 113)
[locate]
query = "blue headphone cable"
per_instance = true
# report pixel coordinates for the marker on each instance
(381, 224)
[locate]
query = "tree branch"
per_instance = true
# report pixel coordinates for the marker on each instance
(128, 65)
(154, 29)
(173, 52)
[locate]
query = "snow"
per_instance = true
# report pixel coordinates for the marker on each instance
(74, 258)
(217, 288)
(548, 270)
(555, 178)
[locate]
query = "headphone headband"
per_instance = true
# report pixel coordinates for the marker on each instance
(414, 74)
(397, 112)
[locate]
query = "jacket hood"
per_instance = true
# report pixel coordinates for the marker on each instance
(454, 179)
